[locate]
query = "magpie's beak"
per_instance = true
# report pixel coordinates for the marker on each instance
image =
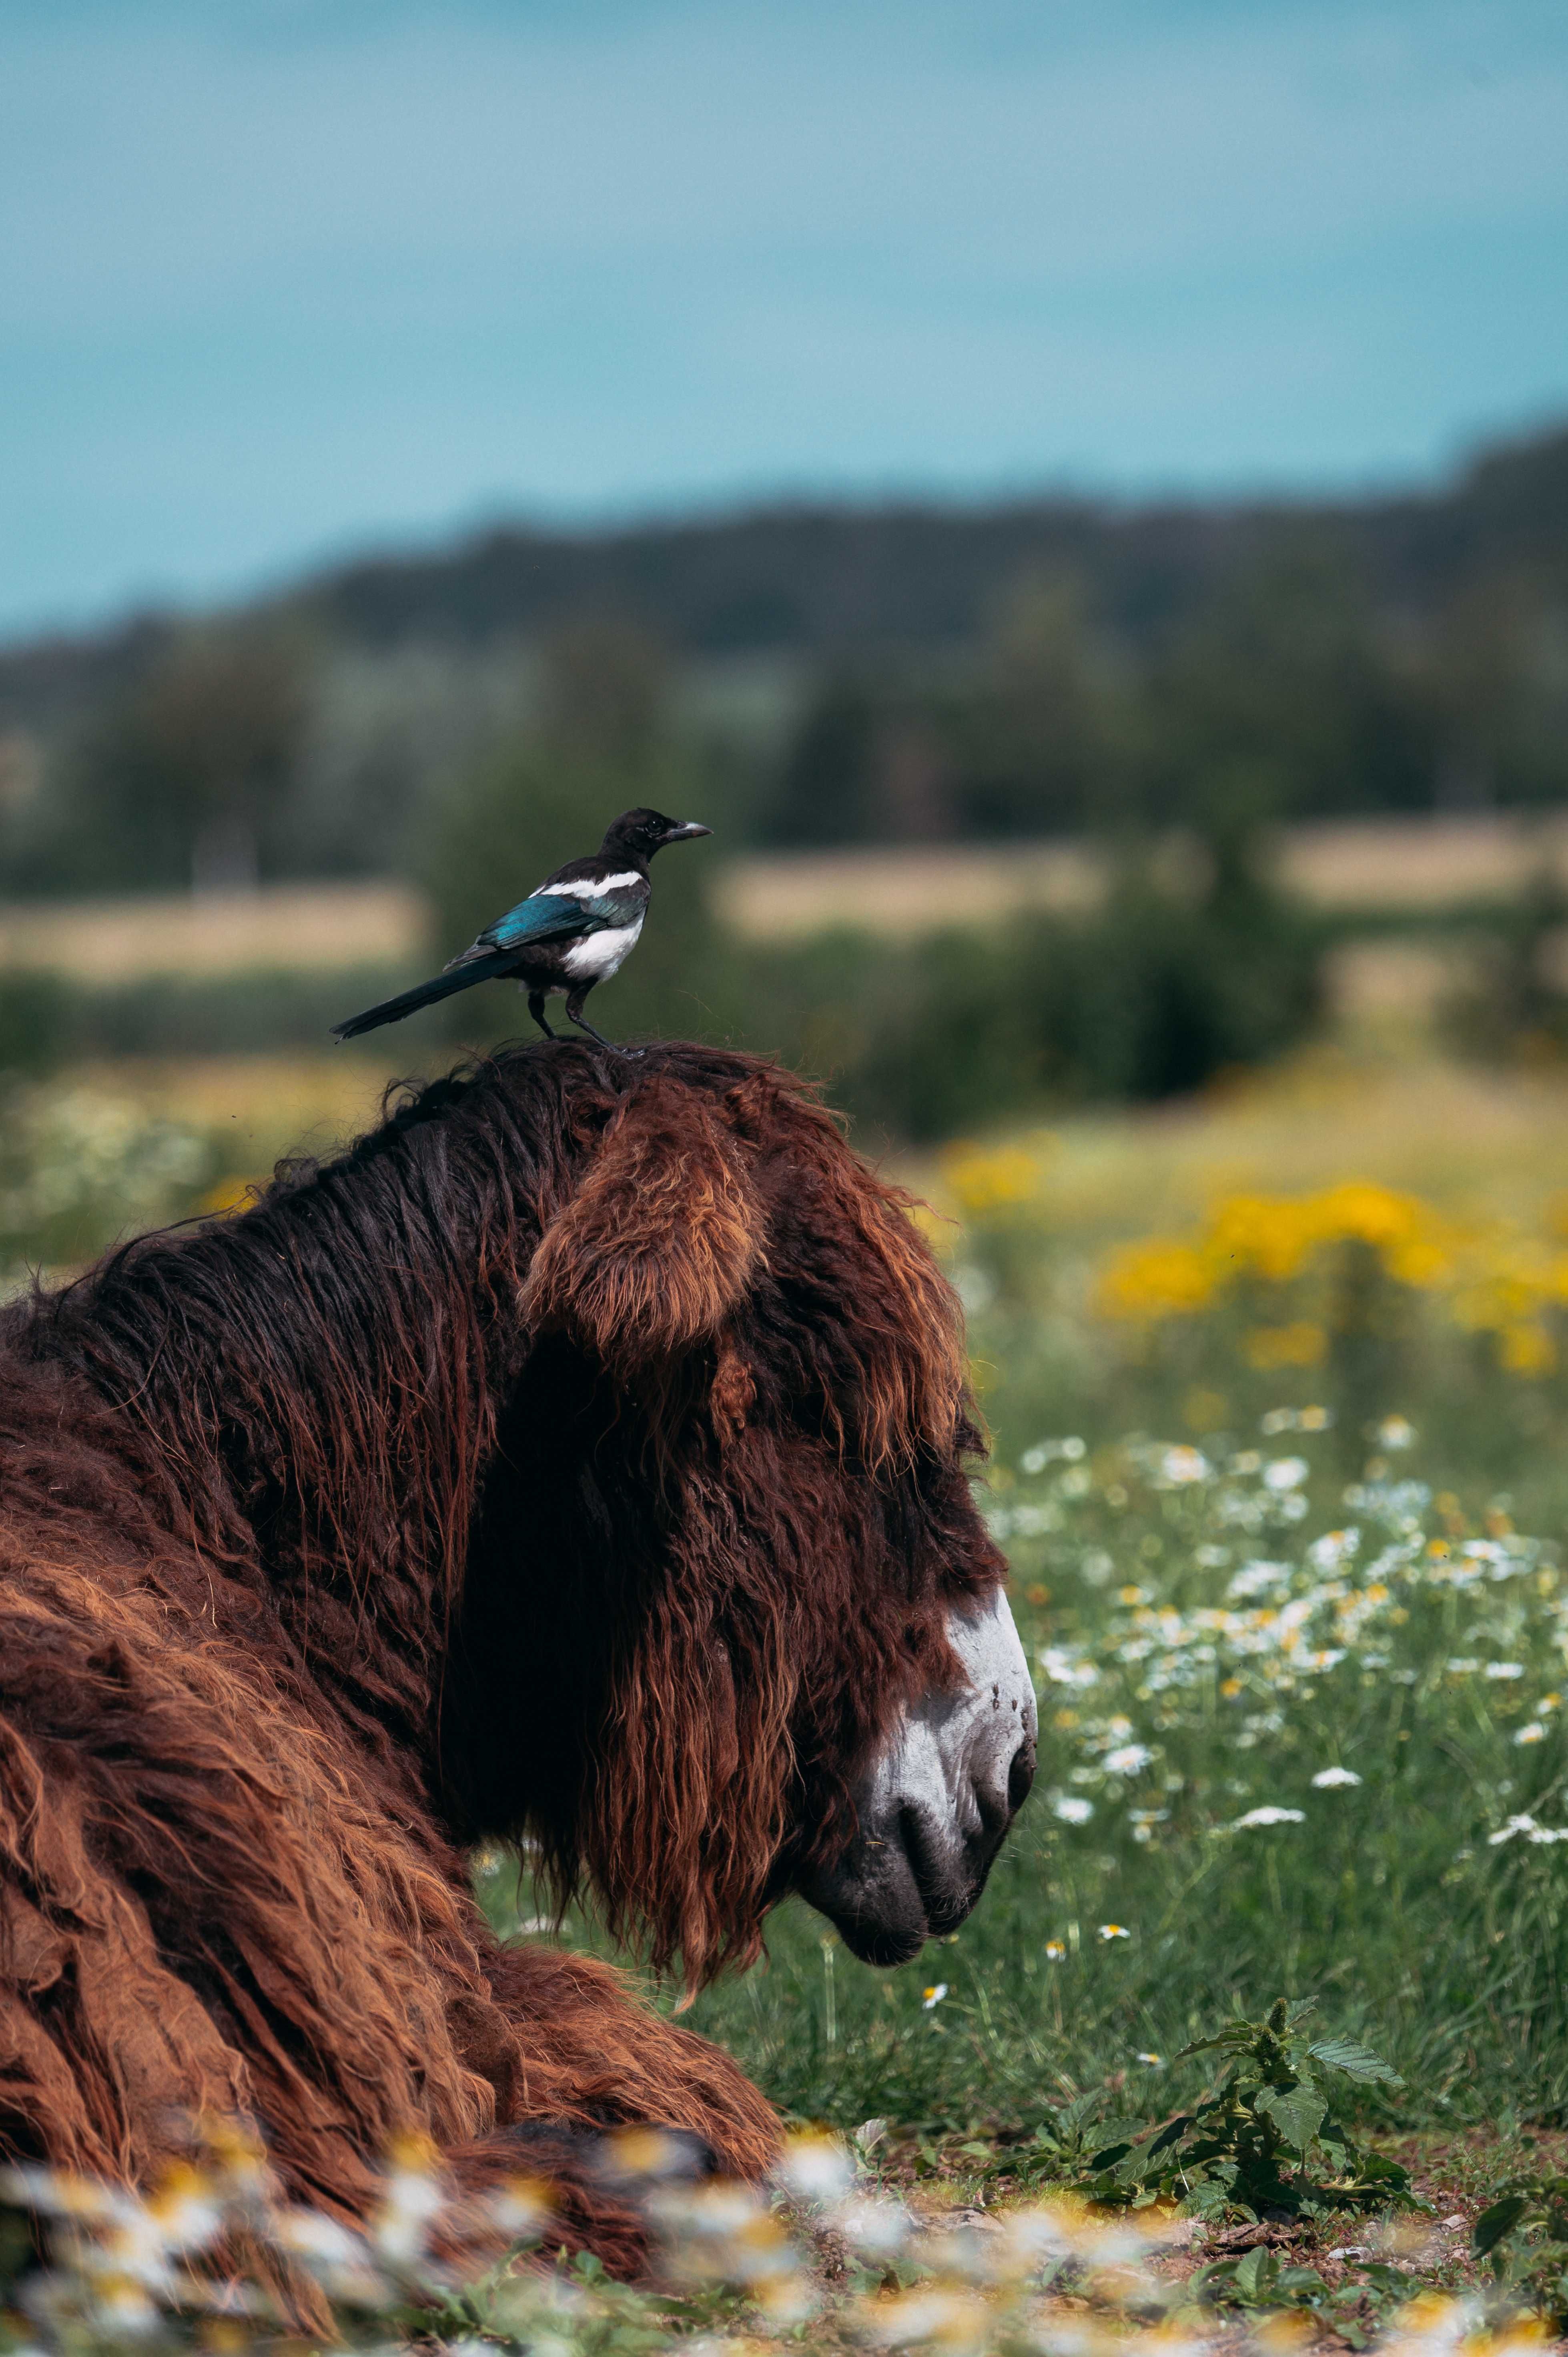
(685, 829)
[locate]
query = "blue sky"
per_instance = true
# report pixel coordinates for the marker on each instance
(283, 279)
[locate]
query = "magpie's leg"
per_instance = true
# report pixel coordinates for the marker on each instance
(536, 1008)
(575, 1014)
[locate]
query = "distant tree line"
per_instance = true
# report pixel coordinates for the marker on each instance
(1070, 670)
(1286, 673)
(883, 677)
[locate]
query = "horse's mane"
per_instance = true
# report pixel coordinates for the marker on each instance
(308, 1389)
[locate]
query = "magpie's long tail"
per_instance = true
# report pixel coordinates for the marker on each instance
(423, 994)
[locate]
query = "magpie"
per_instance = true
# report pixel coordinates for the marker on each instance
(576, 929)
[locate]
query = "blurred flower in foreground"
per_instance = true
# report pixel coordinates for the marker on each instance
(1178, 1467)
(931, 1997)
(1527, 1825)
(1269, 1815)
(1115, 1931)
(873, 2226)
(815, 2168)
(1329, 1779)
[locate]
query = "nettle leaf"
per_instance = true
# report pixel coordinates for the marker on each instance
(1379, 2170)
(1235, 2034)
(1297, 2112)
(1256, 2273)
(1136, 2165)
(1105, 2145)
(1115, 2131)
(1173, 2132)
(1501, 2219)
(1358, 2062)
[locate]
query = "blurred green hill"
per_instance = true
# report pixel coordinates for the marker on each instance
(1153, 698)
(895, 673)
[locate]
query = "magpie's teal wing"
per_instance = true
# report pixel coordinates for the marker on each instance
(553, 916)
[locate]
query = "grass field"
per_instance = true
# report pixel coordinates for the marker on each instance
(1286, 1555)
(1278, 1382)
(899, 890)
(1411, 864)
(1304, 1526)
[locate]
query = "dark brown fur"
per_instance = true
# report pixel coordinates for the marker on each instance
(578, 1456)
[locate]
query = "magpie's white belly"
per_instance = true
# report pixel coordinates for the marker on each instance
(599, 955)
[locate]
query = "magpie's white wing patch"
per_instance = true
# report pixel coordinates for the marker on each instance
(599, 955)
(595, 892)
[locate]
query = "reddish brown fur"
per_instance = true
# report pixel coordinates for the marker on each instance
(581, 1454)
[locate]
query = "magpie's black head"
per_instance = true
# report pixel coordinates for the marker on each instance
(644, 832)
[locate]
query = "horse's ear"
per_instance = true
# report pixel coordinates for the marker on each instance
(660, 1238)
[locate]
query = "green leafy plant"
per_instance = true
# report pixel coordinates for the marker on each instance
(1259, 2280)
(1267, 2141)
(1523, 2235)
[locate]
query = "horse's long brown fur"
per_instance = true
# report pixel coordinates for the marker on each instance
(579, 1455)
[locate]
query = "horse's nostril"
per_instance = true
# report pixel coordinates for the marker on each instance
(1020, 1776)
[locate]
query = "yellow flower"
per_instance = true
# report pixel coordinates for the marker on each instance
(1527, 1349)
(1161, 1278)
(1260, 1235)
(1302, 1344)
(993, 1178)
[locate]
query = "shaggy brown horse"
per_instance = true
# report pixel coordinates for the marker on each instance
(580, 1456)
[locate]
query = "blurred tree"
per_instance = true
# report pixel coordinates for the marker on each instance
(826, 788)
(1490, 682)
(604, 693)
(184, 779)
(1039, 741)
(1284, 670)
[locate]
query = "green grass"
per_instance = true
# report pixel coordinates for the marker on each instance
(1388, 1901)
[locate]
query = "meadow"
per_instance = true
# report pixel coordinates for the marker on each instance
(1277, 1385)
(1282, 1483)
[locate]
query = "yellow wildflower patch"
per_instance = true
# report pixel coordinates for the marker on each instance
(983, 1179)
(1302, 1343)
(1288, 1255)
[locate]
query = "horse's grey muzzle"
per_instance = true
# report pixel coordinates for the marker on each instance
(935, 1804)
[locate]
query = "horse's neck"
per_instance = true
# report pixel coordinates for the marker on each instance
(314, 1387)
(365, 1536)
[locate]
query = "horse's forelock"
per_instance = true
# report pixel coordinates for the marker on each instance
(710, 1218)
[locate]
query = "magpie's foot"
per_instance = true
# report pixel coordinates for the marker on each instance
(575, 1014)
(536, 1008)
